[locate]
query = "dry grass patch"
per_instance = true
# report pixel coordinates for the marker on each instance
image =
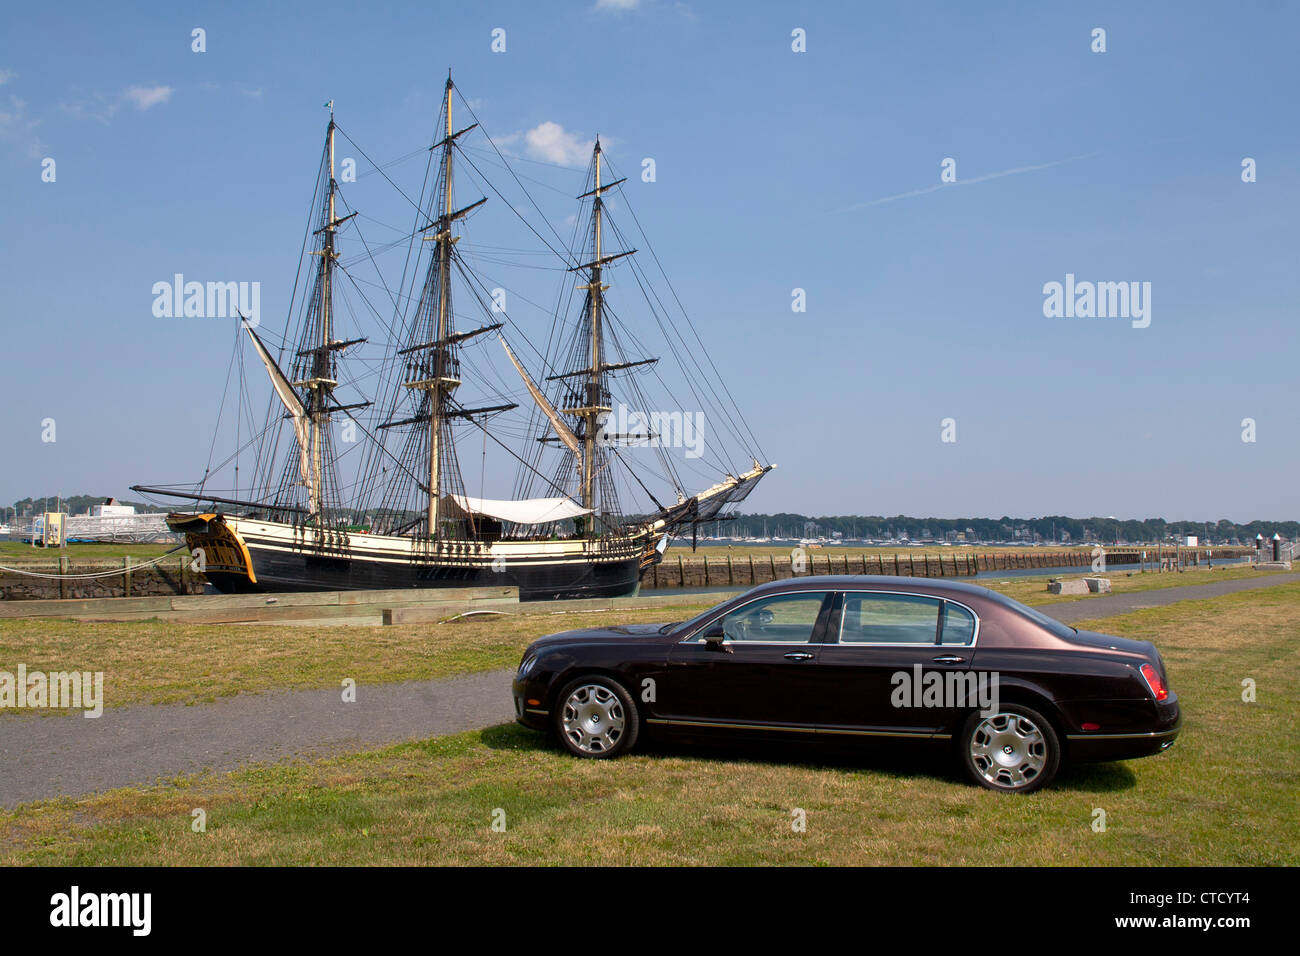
(163, 662)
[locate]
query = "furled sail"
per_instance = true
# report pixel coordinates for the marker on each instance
(526, 511)
(291, 403)
(562, 431)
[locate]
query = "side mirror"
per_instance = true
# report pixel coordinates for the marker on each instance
(714, 634)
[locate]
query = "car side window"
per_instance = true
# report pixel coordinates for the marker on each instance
(782, 618)
(877, 618)
(958, 625)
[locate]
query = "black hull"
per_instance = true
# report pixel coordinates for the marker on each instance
(278, 570)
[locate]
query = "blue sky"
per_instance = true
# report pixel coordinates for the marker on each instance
(776, 170)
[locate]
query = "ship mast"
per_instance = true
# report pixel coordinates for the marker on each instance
(320, 385)
(595, 392)
(439, 377)
(594, 407)
(436, 395)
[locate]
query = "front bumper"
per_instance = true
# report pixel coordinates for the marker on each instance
(530, 709)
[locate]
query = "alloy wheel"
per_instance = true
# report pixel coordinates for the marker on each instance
(593, 719)
(1008, 750)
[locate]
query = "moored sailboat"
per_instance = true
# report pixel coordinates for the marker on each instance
(403, 518)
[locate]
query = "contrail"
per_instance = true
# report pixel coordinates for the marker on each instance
(965, 182)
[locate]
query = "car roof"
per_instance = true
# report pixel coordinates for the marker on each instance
(839, 582)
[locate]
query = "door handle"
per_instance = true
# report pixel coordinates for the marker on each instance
(949, 659)
(798, 656)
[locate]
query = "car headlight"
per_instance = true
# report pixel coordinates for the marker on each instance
(526, 665)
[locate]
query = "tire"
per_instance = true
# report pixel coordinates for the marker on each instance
(1015, 750)
(595, 717)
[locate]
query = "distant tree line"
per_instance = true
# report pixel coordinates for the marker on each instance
(1046, 529)
(75, 504)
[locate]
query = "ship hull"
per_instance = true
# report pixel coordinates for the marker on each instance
(242, 556)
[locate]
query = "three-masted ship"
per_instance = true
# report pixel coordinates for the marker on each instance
(402, 517)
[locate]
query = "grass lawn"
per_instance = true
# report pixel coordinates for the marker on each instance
(16, 552)
(163, 662)
(1225, 794)
(1033, 591)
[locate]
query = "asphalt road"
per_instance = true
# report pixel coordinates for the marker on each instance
(1108, 605)
(43, 757)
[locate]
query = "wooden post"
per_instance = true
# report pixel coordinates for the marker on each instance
(681, 572)
(706, 570)
(63, 569)
(126, 576)
(898, 572)
(731, 572)
(772, 559)
(752, 580)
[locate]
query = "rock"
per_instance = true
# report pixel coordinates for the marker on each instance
(1076, 586)
(1098, 585)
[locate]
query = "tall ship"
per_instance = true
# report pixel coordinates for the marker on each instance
(357, 479)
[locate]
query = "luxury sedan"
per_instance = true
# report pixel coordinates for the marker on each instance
(1013, 692)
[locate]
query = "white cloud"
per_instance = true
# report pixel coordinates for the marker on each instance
(17, 126)
(616, 4)
(145, 97)
(6, 76)
(552, 143)
(964, 182)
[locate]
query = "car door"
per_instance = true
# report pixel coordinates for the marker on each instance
(760, 676)
(886, 669)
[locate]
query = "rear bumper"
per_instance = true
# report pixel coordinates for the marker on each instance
(1085, 746)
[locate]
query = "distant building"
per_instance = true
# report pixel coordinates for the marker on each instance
(111, 508)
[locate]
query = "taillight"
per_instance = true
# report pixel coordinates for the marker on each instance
(1154, 682)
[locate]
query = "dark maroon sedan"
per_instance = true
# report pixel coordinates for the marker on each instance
(1013, 691)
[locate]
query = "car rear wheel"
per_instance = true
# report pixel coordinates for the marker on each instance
(596, 717)
(1015, 750)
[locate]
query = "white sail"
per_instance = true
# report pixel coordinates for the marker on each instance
(525, 511)
(562, 431)
(289, 397)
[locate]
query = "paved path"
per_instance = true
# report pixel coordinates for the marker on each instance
(48, 756)
(1108, 605)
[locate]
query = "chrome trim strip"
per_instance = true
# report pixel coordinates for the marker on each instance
(837, 643)
(535, 710)
(884, 733)
(725, 725)
(974, 639)
(730, 726)
(1150, 734)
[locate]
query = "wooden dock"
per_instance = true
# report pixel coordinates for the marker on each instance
(701, 570)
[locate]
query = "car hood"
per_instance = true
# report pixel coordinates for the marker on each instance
(599, 634)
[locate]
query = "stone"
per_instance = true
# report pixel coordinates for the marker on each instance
(1098, 585)
(1075, 586)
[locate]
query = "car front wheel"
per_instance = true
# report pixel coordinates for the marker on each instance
(596, 718)
(1015, 750)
